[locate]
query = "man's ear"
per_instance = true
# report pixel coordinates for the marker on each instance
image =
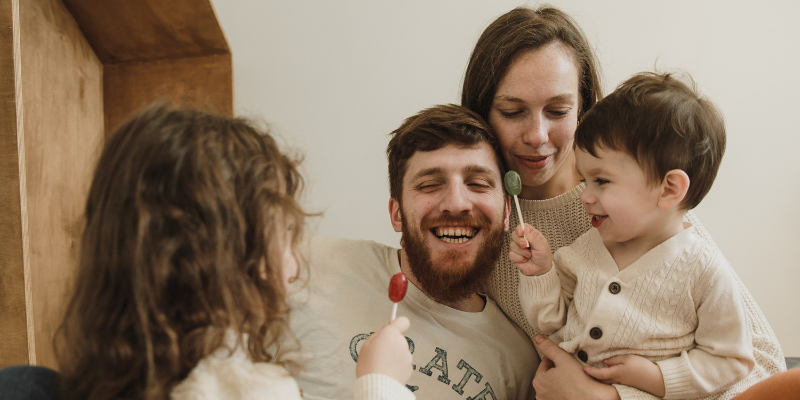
(395, 216)
(673, 189)
(508, 212)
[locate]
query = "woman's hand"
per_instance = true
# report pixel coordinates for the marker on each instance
(386, 352)
(534, 260)
(561, 377)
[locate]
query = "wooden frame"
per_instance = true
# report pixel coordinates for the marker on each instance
(70, 73)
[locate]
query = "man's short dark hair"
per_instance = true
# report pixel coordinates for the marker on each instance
(432, 129)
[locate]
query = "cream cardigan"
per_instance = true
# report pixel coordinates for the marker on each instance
(562, 219)
(677, 305)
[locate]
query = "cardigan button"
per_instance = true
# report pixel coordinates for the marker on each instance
(596, 333)
(614, 288)
(583, 356)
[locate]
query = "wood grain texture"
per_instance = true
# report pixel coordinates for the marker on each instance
(56, 98)
(13, 322)
(202, 82)
(63, 119)
(146, 30)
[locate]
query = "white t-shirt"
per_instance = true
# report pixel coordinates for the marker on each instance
(456, 354)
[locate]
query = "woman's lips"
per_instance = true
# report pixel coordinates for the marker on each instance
(534, 162)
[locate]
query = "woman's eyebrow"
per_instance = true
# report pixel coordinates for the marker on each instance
(560, 97)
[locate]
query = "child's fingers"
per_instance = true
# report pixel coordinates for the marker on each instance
(515, 247)
(536, 239)
(616, 360)
(517, 258)
(517, 237)
(605, 375)
(401, 324)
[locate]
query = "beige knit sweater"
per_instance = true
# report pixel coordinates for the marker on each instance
(562, 219)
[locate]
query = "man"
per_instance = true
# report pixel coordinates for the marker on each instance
(447, 199)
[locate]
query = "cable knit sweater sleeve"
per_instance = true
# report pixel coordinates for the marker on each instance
(723, 353)
(545, 299)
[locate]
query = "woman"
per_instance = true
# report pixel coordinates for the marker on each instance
(532, 75)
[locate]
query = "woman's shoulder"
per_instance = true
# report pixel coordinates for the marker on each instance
(236, 377)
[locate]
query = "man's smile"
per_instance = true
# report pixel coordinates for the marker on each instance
(455, 234)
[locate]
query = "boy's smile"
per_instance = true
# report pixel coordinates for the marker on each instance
(623, 204)
(597, 220)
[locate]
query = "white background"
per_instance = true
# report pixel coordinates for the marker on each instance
(333, 78)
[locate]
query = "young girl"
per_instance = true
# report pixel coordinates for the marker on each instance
(188, 252)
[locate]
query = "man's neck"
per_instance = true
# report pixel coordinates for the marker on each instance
(473, 303)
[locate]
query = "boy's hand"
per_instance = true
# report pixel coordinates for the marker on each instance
(535, 260)
(386, 352)
(631, 370)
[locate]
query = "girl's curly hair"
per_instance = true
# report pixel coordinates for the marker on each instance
(187, 213)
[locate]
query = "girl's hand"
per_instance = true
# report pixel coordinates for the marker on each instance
(386, 352)
(535, 260)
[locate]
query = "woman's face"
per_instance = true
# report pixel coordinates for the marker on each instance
(535, 113)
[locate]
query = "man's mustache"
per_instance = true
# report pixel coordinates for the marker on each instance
(455, 220)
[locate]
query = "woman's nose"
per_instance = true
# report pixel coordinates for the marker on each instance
(535, 133)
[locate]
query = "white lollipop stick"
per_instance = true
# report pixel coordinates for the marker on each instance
(521, 222)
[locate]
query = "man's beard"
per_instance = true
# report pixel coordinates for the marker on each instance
(440, 279)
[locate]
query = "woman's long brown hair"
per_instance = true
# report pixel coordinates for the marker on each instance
(186, 214)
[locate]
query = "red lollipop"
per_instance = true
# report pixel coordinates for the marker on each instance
(397, 290)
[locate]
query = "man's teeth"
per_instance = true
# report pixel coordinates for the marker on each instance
(455, 235)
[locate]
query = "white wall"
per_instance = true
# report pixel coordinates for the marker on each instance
(334, 78)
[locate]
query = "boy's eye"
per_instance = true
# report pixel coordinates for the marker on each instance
(600, 181)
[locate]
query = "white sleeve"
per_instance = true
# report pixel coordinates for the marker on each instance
(380, 387)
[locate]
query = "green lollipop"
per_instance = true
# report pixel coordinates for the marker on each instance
(513, 183)
(514, 188)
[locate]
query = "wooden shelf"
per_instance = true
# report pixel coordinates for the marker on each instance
(69, 74)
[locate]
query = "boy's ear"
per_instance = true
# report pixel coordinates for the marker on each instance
(394, 215)
(673, 188)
